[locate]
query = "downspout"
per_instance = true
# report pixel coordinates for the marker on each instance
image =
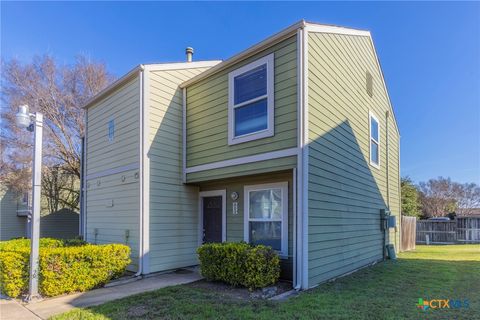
(84, 178)
(294, 187)
(141, 170)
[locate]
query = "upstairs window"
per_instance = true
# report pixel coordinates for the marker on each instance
(250, 101)
(374, 141)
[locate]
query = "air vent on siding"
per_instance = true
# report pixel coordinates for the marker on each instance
(369, 84)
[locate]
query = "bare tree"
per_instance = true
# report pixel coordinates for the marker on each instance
(437, 197)
(442, 196)
(468, 197)
(59, 92)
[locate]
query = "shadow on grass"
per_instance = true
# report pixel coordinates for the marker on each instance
(389, 290)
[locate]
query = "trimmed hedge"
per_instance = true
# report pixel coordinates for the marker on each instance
(239, 264)
(63, 269)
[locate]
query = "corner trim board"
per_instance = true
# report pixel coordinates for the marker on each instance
(244, 160)
(305, 162)
(146, 172)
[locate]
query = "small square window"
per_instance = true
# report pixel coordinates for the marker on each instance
(250, 104)
(111, 130)
(374, 141)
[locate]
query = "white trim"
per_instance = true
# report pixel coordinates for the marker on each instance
(336, 30)
(305, 163)
(141, 176)
(152, 67)
(132, 73)
(283, 186)
(213, 193)
(384, 84)
(181, 65)
(244, 160)
(146, 172)
(371, 116)
(128, 167)
(184, 135)
(270, 41)
(269, 60)
(299, 172)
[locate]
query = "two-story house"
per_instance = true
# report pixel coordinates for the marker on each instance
(291, 143)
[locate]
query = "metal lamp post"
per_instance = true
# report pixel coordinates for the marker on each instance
(33, 122)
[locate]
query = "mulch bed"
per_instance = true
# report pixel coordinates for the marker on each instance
(241, 293)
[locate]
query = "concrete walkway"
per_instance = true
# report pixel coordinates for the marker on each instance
(53, 306)
(12, 309)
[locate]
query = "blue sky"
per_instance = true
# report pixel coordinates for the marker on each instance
(430, 54)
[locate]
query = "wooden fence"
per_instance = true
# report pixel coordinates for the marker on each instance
(468, 229)
(408, 233)
(460, 230)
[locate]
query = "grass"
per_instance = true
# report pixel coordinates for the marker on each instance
(388, 290)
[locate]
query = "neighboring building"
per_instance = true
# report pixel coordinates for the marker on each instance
(291, 143)
(14, 219)
(13, 214)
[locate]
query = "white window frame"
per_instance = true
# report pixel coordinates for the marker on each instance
(372, 140)
(212, 193)
(269, 132)
(246, 214)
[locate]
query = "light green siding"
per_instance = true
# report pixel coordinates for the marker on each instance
(11, 226)
(113, 199)
(235, 223)
(173, 205)
(346, 193)
(207, 109)
(113, 210)
(122, 106)
(243, 169)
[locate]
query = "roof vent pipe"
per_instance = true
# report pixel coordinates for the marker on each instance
(189, 52)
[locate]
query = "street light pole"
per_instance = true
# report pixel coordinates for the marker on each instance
(34, 122)
(36, 190)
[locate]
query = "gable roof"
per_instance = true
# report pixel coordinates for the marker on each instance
(153, 67)
(277, 37)
(286, 33)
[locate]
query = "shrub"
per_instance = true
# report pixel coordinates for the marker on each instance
(62, 269)
(239, 264)
(23, 243)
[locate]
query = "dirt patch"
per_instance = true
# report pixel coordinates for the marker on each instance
(240, 293)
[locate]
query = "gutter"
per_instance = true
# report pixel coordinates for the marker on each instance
(141, 250)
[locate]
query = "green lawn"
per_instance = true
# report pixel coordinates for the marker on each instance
(387, 290)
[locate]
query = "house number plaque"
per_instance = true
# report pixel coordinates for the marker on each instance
(235, 208)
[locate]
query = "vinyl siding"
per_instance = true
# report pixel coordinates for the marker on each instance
(11, 226)
(243, 169)
(173, 205)
(112, 222)
(235, 223)
(123, 106)
(346, 193)
(207, 109)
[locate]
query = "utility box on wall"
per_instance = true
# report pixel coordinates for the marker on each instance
(391, 221)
